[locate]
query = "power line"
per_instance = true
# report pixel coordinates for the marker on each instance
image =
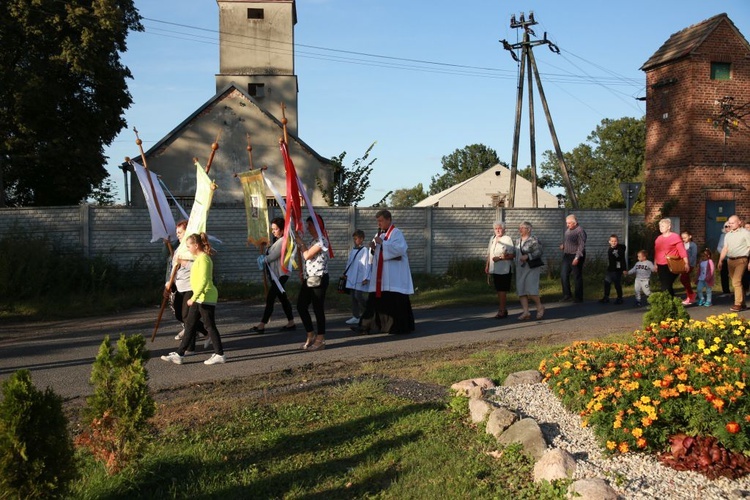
(376, 60)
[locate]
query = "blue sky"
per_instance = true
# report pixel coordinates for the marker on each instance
(421, 78)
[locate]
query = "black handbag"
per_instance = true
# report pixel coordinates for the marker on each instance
(534, 263)
(341, 287)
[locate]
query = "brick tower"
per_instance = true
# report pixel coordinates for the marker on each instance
(698, 128)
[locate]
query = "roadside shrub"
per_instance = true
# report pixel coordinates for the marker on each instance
(118, 411)
(36, 452)
(35, 268)
(663, 308)
(674, 378)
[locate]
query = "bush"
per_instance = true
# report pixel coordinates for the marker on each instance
(36, 452)
(34, 268)
(663, 308)
(121, 405)
(675, 377)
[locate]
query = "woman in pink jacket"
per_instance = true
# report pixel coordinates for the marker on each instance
(668, 244)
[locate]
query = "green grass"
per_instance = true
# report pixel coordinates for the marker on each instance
(355, 439)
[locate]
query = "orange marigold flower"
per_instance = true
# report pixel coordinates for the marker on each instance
(623, 447)
(640, 442)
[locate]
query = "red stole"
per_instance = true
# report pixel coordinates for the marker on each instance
(379, 278)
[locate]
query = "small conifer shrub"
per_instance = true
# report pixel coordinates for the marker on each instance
(36, 451)
(117, 413)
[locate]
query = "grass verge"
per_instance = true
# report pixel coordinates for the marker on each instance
(381, 429)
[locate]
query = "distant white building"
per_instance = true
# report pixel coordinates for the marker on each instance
(489, 189)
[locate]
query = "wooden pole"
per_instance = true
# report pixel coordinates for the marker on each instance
(517, 129)
(560, 159)
(532, 140)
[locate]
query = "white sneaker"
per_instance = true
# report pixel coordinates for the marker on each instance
(173, 357)
(180, 335)
(352, 321)
(215, 359)
(207, 342)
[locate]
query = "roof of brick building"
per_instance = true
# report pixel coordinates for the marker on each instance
(685, 42)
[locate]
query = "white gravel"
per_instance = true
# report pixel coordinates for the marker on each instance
(633, 475)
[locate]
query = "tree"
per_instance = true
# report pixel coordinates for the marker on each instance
(463, 164)
(613, 153)
(407, 197)
(349, 183)
(542, 181)
(62, 94)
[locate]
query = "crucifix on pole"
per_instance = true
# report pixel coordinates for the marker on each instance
(527, 59)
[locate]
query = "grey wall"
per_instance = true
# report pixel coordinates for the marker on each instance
(435, 235)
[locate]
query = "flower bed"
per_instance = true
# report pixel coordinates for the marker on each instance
(678, 377)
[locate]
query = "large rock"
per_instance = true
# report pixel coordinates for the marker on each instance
(591, 489)
(555, 464)
(479, 409)
(463, 387)
(526, 432)
(499, 420)
(524, 377)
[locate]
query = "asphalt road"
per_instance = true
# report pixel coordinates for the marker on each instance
(59, 354)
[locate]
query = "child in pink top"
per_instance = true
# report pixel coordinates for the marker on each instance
(705, 278)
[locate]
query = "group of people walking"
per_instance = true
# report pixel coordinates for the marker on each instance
(378, 278)
(674, 255)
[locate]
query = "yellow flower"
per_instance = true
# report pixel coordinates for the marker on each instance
(617, 424)
(717, 340)
(611, 445)
(740, 384)
(637, 432)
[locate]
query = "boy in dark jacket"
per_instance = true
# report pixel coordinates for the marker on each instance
(615, 266)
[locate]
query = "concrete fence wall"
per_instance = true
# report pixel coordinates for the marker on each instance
(435, 235)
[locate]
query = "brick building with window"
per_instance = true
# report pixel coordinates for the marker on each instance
(698, 128)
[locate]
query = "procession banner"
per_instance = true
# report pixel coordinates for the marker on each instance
(256, 209)
(204, 192)
(162, 221)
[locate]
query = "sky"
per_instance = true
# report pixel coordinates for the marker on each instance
(422, 79)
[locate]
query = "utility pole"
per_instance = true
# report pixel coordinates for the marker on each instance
(527, 59)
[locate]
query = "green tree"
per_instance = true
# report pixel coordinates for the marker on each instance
(613, 153)
(349, 183)
(62, 94)
(407, 197)
(463, 164)
(542, 180)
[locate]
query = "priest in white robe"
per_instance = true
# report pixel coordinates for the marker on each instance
(388, 305)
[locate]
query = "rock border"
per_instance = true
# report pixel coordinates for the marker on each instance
(551, 463)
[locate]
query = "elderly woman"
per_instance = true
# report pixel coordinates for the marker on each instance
(500, 254)
(527, 278)
(668, 244)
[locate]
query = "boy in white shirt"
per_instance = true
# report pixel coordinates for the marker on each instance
(358, 267)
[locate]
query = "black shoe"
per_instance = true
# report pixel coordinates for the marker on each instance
(605, 300)
(618, 300)
(287, 328)
(566, 298)
(359, 330)
(258, 330)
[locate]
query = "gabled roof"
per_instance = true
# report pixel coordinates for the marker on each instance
(215, 99)
(478, 191)
(687, 41)
(435, 198)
